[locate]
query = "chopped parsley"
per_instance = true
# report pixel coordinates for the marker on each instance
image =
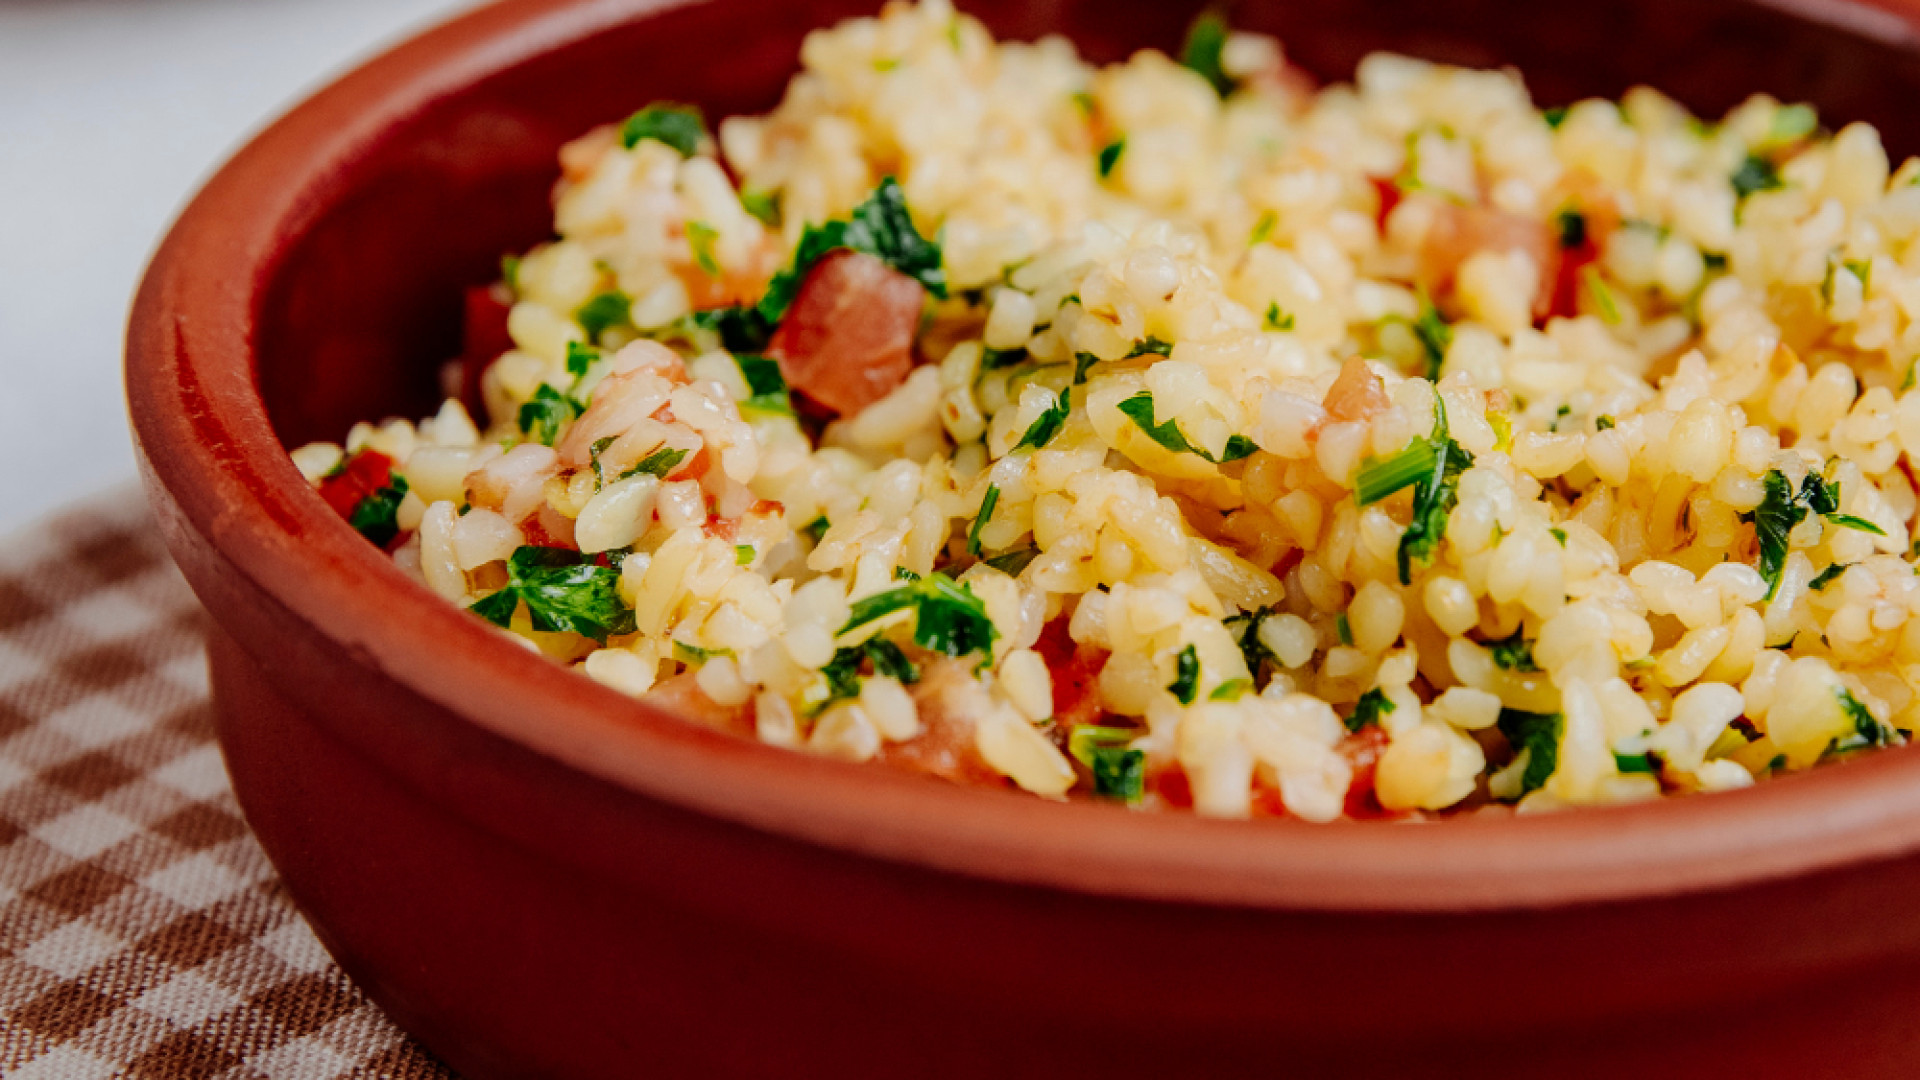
(543, 415)
(1755, 174)
(593, 459)
(1514, 653)
(761, 204)
(376, 516)
(948, 617)
(1827, 577)
(1139, 409)
(1150, 346)
(1558, 534)
(700, 237)
(1011, 563)
(1048, 423)
(881, 226)
(1791, 123)
(1231, 690)
(743, 554)
(1263, 228)
(1536, 735)
(1342, 629)
(1119, 772)
(1867, 730)
(1603, 422)
(766, 387)
(659, 463)
(562, 593)
(678, 126)
(992, 359)
(580, 358)
(987, 503)
(1572, 226)
(1603, 298)
(1206, 41)
(1434, 334)
(1432, 465)
(604, 311)
(688, 653)
(1186, 676)
(510, 271)
(1782, 509)
(1110, 156)
(1245, 627)
(1276, 319)
(1635, 763)
(1554, 116)
(1369, 709)
(842, 673)
(817, 528)
(1081, 362)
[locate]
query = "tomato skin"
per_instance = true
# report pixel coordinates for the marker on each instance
(682, 696)
(483, 337)
(1389, 193)
(847, 341)
(360, 476)
(1076, 676)
(1362, 751)
(1357, 394)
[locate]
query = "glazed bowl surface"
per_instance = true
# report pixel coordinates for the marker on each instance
(539, 877)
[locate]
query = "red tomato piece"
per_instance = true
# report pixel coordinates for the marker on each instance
(945, 748)
(483, 337)
(847, 341)
(1076, 675)
(1357, 394)
(681, 695)
(1362, 751)
(360, 476)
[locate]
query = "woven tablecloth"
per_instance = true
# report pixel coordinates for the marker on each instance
(142, 931)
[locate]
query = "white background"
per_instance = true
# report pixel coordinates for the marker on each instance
(111, 113)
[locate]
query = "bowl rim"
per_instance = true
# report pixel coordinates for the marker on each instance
(203, 436)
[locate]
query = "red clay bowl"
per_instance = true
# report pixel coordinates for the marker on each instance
(537, 876)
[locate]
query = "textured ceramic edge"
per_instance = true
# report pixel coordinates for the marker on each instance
(232, 504)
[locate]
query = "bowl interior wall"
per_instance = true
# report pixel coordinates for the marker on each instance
(381, 271)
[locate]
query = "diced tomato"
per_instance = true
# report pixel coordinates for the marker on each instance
(946, 697)
(1076, 675)
(741, 284)
(1288, 561)
(682, 696)
(847, 341)
(719, 528)
(1357, 394)
(1599, 217)
(1172, 785)
(483, 337)
(1458, 232)
(1389, 193)
(1267, 801)
(1362, 751)
(360, 476)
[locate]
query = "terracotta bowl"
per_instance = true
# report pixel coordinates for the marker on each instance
(537, 876)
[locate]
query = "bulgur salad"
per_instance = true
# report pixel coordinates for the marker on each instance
(1183, 434)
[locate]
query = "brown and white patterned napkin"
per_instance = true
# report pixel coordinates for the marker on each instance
(142, 932)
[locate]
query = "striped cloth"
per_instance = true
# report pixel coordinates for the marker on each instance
(143, 933)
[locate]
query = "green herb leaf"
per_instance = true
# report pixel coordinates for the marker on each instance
(1206, 40)
(1047, 424)
(546, 413)
(1186, 677)
(580, 358)
(562, 593)
(1603, 423)
(1342, 629)
(1635, 763)
(1263, 228)
(1118, 771)
(510, 271)
(1277, 319)
(766, 387)
(1538, 736)
(1110, 156)
(700, 237)
(817, 528)
(1826, 577)
(1434, 334)
(1572, 227)
(1245, 628)
(1514, 653)
(1848, 521)
(1369, 709)
(1012, 563)
(994, 359)
(679, 126)
(593, 459)
(1755, 174)
(1150, 346)
(604, 311)
(743, 554)
(1231, 690)
(1554, 116)
(1870, 730)
(948, 617)
(659, 463)
(1081, 362)
(888, 660)
(764, 205)
(1558, 534)
(1381, 477)
(375, 517)
(1433, 497)
(1603, 297)
(1791, 123)
(980, 520)
(688, 653)
(1139, 409)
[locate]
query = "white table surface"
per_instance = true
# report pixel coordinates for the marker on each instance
(111, 113)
